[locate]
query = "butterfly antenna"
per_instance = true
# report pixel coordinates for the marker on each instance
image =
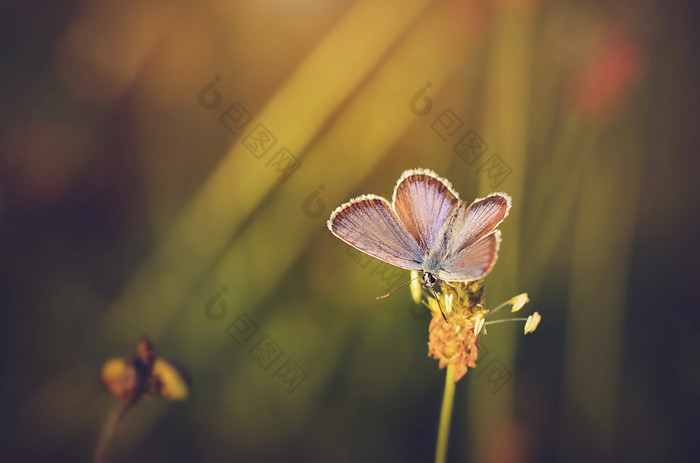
(437, 299)
(396, 289)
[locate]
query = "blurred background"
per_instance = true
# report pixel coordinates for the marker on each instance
(167, 168)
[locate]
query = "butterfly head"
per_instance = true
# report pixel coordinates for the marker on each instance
(429, 280)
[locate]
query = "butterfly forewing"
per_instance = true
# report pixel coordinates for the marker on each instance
(369, 224)
(423, 201)
(472, 262)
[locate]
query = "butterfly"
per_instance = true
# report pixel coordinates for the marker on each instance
(426, 228)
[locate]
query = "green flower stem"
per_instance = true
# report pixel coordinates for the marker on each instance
(445, 415)
(109, 431)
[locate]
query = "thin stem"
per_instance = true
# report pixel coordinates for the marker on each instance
(494, 322)
(445, 415)
(108, 432)
(493, 311)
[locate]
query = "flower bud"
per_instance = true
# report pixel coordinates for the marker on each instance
(170, 380)
(120, 379)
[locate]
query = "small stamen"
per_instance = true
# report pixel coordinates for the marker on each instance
(493, 311)
(448, 302)
(505, 320)
(518, 302)
(532, 322)
(478, 324)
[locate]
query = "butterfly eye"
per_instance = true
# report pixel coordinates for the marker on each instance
(429, 280)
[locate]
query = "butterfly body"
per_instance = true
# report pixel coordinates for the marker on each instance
(426, 228)
(441, 249)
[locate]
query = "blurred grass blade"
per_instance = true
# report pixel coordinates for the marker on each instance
(238, 185)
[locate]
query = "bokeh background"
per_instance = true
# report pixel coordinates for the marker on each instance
(136, 192)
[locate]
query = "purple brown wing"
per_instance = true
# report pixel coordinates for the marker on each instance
(478, 220)
(472, 262)
(369, 224)
(423, 201)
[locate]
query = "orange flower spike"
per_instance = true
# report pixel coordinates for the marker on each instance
(455, 342)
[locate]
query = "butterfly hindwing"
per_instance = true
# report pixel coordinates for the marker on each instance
(478, 220)
(472, 262)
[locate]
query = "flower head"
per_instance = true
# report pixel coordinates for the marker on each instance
(455, 340)
(129, 379)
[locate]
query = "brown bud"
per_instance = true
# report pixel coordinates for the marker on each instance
(170, 380)
(120, 379)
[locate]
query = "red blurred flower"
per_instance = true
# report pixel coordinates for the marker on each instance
(611, 73)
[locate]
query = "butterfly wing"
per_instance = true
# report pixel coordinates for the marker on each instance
(369, 224)
(472, 262)
(469, 240)
(423, 201)
(478, 220)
